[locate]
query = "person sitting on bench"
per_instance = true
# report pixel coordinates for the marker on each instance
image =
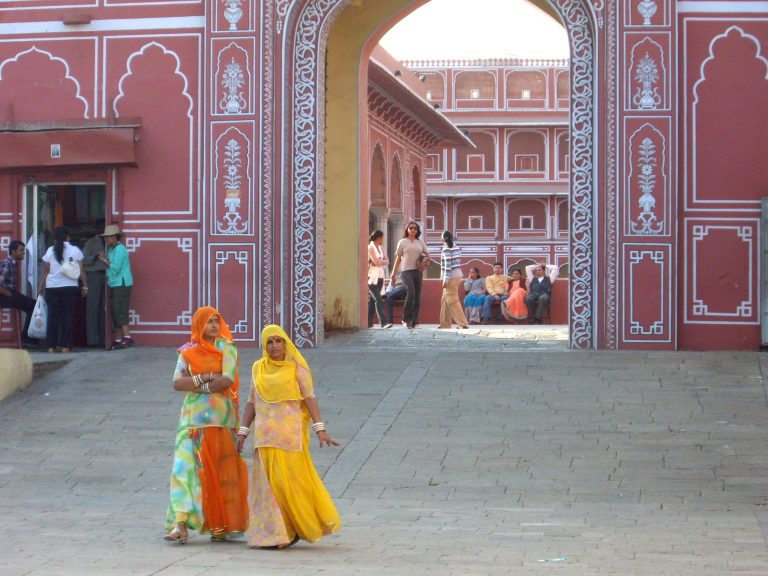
(10, 297)
(496, 285)
(540, 280)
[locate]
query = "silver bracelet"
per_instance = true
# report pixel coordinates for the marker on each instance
(244, 431)
(318, 427)
(205, 388)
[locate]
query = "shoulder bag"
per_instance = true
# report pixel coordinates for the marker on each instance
(71, 269)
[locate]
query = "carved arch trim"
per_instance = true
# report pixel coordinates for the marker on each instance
(306, 33)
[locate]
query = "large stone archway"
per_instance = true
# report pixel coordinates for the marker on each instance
(306, 30)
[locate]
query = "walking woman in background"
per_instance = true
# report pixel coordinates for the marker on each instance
(376, 262)
(288, 500)
(61, 288)
(209, 480)
(413, 254)
(474, 287)
(451, 275)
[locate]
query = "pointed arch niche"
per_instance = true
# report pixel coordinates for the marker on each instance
(329, 42)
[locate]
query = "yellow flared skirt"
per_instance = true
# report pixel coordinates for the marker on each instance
(287, 498)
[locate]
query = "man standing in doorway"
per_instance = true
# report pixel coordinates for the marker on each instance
(95, 311)
(10, 297)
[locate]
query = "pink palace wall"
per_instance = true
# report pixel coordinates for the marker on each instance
(224, 205)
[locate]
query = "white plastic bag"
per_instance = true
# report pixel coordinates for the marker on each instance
(38, 326)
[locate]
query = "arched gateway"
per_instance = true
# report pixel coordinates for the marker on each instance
(306, 31)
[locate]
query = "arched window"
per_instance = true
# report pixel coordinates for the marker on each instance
(396, 184)
(416, 187)
(378, 177)
(526, 154)
(475, 90)
(526, 89)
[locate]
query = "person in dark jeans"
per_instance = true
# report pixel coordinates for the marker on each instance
(61, 290)
(10, 297)
(377, 260)
(394, 291)
(413, 255)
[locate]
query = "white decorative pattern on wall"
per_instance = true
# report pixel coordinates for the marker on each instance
(646, 328)
(306, 132)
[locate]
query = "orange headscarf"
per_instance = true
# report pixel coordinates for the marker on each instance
(201, 354)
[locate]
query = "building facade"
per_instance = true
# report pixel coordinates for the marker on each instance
(226, 136)
(506, 199)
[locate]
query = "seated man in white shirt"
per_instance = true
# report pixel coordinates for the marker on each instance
(540, 280)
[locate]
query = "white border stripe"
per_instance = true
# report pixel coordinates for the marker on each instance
(122, 25)
(709, 7)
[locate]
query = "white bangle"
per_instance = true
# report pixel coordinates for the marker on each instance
(244, 431)
(318, 427)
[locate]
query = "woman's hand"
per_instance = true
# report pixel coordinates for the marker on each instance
(322, 435)
(241, 442)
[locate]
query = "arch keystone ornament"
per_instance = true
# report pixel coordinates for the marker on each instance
(304, 34)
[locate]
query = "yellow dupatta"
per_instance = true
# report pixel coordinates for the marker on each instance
(277, 380)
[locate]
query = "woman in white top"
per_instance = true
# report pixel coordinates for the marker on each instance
(61, 290)
(413, 254)
(376, 262)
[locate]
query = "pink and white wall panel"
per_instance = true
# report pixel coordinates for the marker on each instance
(723, 125)
(666, 158)
(646, 258)
(167, 187)
(647, 293)
(235, 267)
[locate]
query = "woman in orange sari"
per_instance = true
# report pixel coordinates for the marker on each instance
(288, 500)
(209, 480)
(514, 307)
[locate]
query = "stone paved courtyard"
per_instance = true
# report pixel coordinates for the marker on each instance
(480, 452)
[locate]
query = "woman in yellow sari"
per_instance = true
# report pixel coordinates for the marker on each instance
(287, 498)
(209, 480)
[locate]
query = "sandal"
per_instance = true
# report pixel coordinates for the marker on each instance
(179, 534)
(218, 535)
(279, 546)
(291, 543)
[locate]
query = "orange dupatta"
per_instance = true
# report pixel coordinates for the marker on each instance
(203, 356)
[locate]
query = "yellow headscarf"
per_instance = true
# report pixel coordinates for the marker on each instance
(276, 380)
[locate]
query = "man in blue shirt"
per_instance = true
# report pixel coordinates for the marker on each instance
(120, 282)
(10, 297)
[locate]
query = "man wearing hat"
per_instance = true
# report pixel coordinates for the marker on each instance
(119, 282)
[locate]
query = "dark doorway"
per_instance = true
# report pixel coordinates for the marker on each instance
(79, 207)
